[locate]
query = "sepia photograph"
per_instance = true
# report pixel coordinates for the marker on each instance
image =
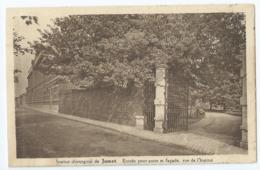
(131, 85)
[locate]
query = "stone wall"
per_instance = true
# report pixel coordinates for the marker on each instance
(243, 103)
(103, 104)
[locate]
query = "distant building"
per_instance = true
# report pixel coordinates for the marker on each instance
(43, 89)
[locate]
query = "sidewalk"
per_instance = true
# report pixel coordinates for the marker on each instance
(191, 141)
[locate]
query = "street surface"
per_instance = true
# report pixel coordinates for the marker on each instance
(42, 135)
(221, 126)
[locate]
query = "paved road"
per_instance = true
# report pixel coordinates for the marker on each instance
(44, 136)
(222, 126)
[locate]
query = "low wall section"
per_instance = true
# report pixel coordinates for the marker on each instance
(103, 104)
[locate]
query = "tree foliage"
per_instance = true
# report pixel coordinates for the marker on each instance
(117, 50)
(18, 48)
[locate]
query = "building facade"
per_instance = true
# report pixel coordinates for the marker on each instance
(43, 89)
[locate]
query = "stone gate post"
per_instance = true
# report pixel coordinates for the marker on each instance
(243, 103)
(160, 101)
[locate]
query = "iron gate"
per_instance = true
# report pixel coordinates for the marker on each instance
(149, 107)
(177, 95)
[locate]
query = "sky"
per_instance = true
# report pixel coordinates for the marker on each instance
(30, 33)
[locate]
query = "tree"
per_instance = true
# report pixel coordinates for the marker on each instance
(228, 36)
(17, 39)
(113, 49)
(18, 48)
(118, 50)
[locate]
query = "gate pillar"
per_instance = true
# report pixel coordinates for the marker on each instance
(243, 103)
(160, 100)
